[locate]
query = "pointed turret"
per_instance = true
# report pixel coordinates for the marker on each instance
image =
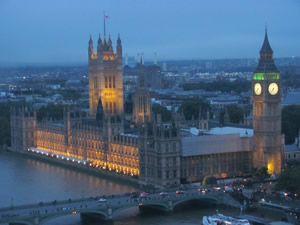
(91, 46)
(100, 46)
(104, 43)
(141, 78)
(119, 46)
(109, 44)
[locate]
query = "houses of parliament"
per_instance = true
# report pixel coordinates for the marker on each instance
(158, 153)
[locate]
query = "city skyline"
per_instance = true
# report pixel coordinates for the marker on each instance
(57, 33)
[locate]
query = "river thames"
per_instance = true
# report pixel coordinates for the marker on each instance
(25, 180)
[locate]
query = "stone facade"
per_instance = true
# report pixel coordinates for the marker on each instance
(23, 128)
(106, 82)
(266, 94)
(160, 152)
(141, 100)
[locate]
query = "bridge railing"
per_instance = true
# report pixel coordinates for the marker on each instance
(61, 202)
(76, 200)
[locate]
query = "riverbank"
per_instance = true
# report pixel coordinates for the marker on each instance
(79, 167)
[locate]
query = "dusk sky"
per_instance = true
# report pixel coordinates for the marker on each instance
(57, 32)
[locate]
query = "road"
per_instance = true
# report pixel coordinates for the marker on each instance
(90, 203)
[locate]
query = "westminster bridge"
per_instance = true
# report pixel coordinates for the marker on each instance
(41, 213)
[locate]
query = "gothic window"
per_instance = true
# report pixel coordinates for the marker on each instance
(167, 147)
(109, 80)
(114, 82)
(105, 82)
(158, 147)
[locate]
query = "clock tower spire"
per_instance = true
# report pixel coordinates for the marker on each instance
(266, 94)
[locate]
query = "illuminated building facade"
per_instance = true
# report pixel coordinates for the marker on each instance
(84, 138)
(157, 152)
(266, 93)
(106, 82)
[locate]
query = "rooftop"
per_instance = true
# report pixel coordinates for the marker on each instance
(204, 145)
(243, 132)
(291, 148)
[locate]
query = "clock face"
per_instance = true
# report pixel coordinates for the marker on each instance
(273, 88)
(257, 88)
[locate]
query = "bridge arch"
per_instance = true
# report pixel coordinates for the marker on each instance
(20, 222)
(178, 202)
(52, 217)
(159, 206)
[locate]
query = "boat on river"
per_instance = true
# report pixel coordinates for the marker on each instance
(220, 219)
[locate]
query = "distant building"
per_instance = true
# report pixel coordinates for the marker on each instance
(153, 77)
(292, 152)
(55, 86)
(73, 84)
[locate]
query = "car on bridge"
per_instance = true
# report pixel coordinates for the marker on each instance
(102, 200)
(163, 194)
(179, 192)
(144, 195)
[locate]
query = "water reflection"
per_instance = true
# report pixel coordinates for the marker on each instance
(25, 180)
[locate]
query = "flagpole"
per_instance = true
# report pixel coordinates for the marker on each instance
(104, 22)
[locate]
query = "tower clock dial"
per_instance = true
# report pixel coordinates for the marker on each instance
(257, 88)
(273, 88)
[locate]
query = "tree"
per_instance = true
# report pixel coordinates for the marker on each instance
(4, 124)
(209, 180)
(236, 113)
(290, 122)
(191, 109)
(260, 174)
(166, 115)
(289, 179)
(237, 86)
(50, 111)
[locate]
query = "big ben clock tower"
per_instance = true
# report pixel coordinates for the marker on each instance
(266, 95)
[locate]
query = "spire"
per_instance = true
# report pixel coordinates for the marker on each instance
(141, 60)
(91, 46)
(266, 62)
(109, 43)
(100, 46)
(91, 40)
(100, 111)
(119, 46)
(99, 40)
(266, 47)
(141, 77)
